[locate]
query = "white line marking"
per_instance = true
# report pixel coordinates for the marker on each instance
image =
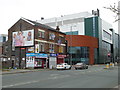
(19, 84)
(117, 86)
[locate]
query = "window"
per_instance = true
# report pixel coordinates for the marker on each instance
(41, 47)
(1, 39)
(51, 48)
(106, 35)
(60, 40)
(41, 34)
(6, 48)
(60, 49)
(51, 36)
(4, 39)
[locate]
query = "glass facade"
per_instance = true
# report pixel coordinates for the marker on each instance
(72, 33)
(78, 54)
(106, 48)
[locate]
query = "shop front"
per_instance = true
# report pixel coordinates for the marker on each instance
(36, 60)
(52, 60)
(60, 59)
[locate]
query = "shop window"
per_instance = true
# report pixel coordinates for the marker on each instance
(51, 48)
(51, 36)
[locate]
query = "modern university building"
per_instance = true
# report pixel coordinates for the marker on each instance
(90, 39)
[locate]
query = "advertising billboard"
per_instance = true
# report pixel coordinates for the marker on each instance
(23, 38)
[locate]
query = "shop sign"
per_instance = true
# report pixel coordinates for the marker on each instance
(22, 48)
(37, 48)
(53, 55)
(61, 56)
(30, 50)
(37, 55)
(30, 54)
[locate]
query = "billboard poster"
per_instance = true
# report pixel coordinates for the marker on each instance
(23, 38)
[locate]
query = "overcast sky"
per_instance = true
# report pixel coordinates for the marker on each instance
(13, 10)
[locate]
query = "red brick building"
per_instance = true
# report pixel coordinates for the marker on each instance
(40, 45)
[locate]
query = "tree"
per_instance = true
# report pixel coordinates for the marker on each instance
(115, 9)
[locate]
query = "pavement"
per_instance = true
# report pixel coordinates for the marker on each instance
(13, 71)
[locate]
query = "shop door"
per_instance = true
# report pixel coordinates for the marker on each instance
(52, 62)
(60, 60)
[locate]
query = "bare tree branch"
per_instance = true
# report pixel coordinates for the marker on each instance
(115, 10)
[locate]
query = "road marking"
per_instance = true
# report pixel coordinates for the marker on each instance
(59, 76)
(54, 74)
(19, 84)
(117, 86)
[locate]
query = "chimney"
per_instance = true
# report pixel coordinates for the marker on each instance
(42, 18)
(57, 28)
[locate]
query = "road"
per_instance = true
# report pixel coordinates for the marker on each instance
(94, 77)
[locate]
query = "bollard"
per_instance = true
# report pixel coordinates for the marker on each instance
(113, 65)
(107, 66)
(116, 63)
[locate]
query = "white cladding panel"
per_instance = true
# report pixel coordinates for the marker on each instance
(73, 27)
(106, 27)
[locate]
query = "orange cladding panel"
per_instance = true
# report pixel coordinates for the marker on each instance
(82, 41)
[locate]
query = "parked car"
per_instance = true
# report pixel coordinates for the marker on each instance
(81, 66)
(63, 66)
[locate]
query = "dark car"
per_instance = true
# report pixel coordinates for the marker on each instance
(81, 66)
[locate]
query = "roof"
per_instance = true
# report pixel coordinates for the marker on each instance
(41, 25)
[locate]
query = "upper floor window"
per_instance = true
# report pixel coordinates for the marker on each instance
(6, 48)
(1, 39)
(41, 33)
(51, 36)
(51, 48)
(107, 35)
(61, 49)
(41, 47)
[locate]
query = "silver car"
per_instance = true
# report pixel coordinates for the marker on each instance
(81, 66)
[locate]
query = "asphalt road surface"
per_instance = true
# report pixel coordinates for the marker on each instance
(94, 77)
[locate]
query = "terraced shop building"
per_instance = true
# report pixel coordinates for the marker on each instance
(31, 44)
(92, 25)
